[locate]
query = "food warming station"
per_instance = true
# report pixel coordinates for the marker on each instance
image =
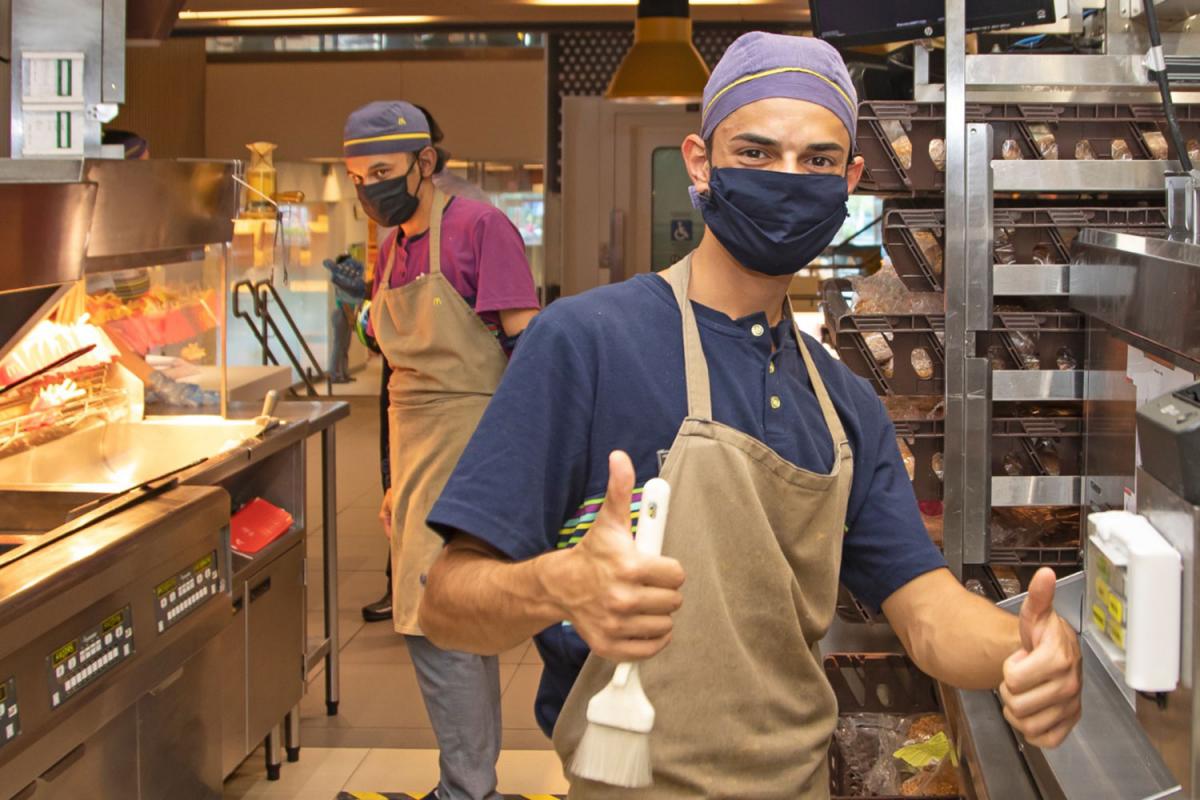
(140, 651)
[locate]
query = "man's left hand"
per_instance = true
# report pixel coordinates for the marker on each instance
(1043, 680)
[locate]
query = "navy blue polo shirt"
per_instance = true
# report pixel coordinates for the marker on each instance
(603, 371)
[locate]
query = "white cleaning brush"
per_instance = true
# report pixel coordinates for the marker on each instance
(615, 748)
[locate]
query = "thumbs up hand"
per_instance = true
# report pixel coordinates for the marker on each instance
(619, 600)
(1043, 679)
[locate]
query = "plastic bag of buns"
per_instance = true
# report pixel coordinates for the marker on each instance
(1003, 248)
(881, 351)
(940, 780)
(1043, 139)
(1121, 151)
(1011, 150)
(927, 758)
(1084, 151)
(931, 248)
(901, 144)
(1156, 143)
(937, 154)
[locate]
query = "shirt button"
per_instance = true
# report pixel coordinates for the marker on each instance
(758, 329)
(771, 368)
(776, 402)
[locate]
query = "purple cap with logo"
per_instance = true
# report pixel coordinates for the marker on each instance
(385, 126)
(760, 65)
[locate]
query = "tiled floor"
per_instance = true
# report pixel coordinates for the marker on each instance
(380, 740)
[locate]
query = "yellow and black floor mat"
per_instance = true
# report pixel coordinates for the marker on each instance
(409, 796)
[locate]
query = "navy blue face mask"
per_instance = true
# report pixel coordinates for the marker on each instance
(773, 222)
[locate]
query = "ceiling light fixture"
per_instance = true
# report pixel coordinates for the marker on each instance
(264, 13)
(325, 22)
(579, 3)
(663, 66)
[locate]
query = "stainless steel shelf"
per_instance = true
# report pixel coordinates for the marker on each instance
(1012, 385)
(1081, 176)
(1030, 280)
(1049, 490)
(1146, 287)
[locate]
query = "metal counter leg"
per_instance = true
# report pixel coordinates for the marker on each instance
(329, 534)
(274, 752)
(292, 734)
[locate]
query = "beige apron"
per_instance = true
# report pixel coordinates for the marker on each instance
(446, 365)
(744, 711)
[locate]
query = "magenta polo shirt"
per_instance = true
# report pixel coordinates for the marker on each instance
(483, 257)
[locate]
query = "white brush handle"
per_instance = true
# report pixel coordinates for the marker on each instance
(652, 523)
(652, 516)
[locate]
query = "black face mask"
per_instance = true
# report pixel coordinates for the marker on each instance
(389, 202)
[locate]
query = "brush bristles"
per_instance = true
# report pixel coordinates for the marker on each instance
(613, 756)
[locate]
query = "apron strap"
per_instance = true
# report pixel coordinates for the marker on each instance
(836, 430)
(385, 281)
(435, 233)
(694, 364)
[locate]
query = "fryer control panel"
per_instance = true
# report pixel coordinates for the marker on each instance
(83, 660)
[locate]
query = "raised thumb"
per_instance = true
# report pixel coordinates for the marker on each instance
(619, 495)
(1037, 609)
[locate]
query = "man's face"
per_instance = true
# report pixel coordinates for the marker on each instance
(366, 170)
(779, 134)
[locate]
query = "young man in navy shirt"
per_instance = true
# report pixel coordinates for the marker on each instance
(537, 512)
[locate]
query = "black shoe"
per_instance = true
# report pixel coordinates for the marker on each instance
(380, 610)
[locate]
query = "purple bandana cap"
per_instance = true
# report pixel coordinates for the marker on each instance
(761, 65)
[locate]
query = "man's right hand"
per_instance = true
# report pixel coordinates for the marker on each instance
(619, 600)
(385, 513)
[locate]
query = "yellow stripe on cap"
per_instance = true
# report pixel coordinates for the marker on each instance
(391, 137)
(778, 71)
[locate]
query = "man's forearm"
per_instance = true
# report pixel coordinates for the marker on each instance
(953, 635)
(477, 603)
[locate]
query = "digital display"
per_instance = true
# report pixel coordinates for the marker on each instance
(3, 692)
(113, 621)
(166, 586)
(203, 563)
(65, 652)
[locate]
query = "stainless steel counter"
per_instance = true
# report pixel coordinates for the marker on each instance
(43, 488)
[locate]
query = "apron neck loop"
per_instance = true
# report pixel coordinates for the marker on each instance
(695, 366)
(435, 242)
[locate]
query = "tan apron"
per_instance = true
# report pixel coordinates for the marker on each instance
(446, 366)
(744, 711)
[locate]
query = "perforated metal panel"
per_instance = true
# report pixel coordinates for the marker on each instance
(582, 63)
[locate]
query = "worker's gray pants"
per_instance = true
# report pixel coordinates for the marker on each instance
(462, 696)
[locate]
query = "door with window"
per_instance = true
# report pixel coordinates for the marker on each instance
(625, 202)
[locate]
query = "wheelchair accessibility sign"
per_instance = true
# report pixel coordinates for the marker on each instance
(681, 230)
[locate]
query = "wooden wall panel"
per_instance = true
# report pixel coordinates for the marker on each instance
(165, 89)
(489, 110)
